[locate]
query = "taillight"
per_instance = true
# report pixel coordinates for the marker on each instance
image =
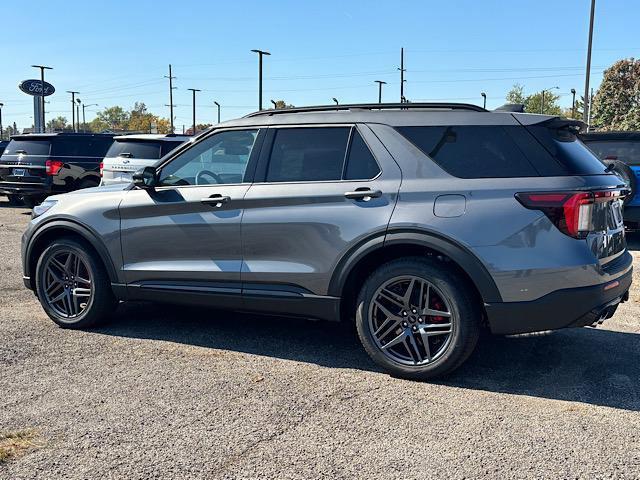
(52, 167)
(571, 212)
(101, 167)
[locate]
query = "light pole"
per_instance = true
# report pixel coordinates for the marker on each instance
(484, 100)
(573, 103)
(275, 105)
(42, 69)
(336, 100)
(78, 102)
(73, 110)
(260, 53)
(1, 130)
(218, 105)
(587, 100)
(380, 83)
(193, 91)
(84, 124)
(543, 92)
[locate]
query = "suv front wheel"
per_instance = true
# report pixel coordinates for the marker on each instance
(72, 285)
(417, 318)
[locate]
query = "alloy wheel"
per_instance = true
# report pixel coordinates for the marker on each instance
(67, 283)
(411, 320)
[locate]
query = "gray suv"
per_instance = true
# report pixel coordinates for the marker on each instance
(423, 223)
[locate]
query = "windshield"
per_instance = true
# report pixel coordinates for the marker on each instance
(626, 150)
(28, 147)
(135, 149)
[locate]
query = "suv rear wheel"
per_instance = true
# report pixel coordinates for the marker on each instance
(417, 319)
(73, 286)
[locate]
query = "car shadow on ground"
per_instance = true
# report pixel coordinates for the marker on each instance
(633, 240)
(593, 366)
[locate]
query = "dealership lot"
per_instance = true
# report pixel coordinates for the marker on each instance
(159, 393)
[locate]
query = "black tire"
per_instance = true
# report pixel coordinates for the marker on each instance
(465, 317)
(15, 200)
(623, 171)
(101, 303)
(87, 183)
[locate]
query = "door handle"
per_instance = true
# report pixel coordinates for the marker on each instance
(216, 200)
(363, 194)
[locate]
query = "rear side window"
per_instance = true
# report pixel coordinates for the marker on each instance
(308, 154)
(28, 147)
(71, 147)
(625, 150)
(471, 151)
(132, 149)
(360, 163)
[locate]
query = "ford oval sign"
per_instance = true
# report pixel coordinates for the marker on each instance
(34, 87)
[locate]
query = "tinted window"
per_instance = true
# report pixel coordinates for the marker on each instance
(135, 149)
(308, 154)
(167, 146)
(628, 151)
(28, 147)
(80, 146)
(567, 150)
(219, 159)
(471, 151)
(360, 163)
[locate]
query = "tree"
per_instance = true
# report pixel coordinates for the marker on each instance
(114, 118)
(616, 105)
(533, 103)
(58, 124)
(283, 104)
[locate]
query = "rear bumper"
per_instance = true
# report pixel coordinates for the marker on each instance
(25, 188)
(572, 307)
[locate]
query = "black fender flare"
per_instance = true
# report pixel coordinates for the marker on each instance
(82, 230)
(461, 255)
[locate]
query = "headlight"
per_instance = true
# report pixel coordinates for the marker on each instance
(42, 208)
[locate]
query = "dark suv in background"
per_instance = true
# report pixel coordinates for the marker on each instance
(34, 166)
(621, 150)
(420, 222)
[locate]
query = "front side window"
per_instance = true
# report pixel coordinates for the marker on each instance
(219, 159)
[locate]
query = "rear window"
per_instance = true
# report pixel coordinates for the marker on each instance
(626, 150)
(503, 151)
(135, 149)
(166, 147)
(28, 147)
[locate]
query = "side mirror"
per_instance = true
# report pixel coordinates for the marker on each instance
(145, 178)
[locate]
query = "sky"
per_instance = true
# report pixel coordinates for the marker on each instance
(117, 52)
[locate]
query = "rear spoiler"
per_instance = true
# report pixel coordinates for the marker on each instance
(558, 123)
(511, 107)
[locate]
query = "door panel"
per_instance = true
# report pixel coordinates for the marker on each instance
(169, 234)
(296, 233)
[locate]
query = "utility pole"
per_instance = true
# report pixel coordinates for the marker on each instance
(484, 100)
(1, 130)
(78, 102)
(590, 108)
(402, 70)
(380, 83)
(73, 109)
(573, 103)
(587, 100)
(193, 91)
(260, 53)
(42, 69)
(543, 92)
(171, 87)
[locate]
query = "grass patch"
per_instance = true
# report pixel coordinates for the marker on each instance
(17, 443)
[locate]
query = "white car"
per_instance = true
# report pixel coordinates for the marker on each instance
(130, 153)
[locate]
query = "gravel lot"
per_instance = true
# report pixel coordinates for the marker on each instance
(164, 393)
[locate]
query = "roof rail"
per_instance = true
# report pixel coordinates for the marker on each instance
(372, 106)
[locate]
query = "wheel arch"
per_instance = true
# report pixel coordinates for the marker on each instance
(368, 255)
(52, 230)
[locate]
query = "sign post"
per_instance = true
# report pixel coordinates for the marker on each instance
(38, 90)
